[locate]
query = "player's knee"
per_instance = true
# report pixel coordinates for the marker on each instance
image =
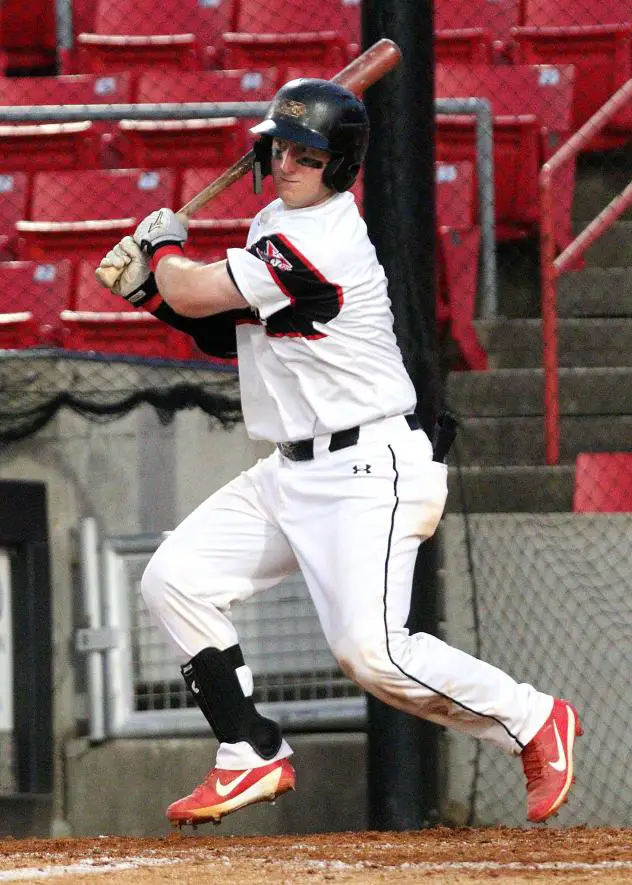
(365, 662)
(157, 583)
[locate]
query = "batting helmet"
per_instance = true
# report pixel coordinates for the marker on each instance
(319, 114)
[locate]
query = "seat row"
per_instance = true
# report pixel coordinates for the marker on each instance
(51, 298)
(595, 37)
(532, 116)
(192, 34)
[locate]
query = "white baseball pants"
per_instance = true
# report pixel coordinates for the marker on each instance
(352, 521)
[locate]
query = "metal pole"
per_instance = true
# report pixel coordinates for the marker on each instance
(92, 609)
(481, 108)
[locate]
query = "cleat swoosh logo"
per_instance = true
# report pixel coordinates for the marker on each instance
(560, 763)
(224, 789)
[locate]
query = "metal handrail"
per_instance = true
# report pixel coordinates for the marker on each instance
(551, 267)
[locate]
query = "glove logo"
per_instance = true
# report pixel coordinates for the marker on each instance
(157, 222)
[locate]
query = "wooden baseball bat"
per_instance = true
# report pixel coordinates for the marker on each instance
(362, 72)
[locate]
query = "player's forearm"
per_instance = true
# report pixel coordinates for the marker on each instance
(190, 288)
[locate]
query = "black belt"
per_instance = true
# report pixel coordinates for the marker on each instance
(303, 449)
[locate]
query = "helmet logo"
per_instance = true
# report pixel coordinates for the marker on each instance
(292, 108)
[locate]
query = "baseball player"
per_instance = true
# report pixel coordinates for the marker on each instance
(351, 488)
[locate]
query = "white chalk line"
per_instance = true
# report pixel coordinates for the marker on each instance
(104, 865)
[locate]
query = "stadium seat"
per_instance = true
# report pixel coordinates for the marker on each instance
(458, 243)
(34, 147)
(276, 34)
(74, 89)
(477, 31)
(104, 323)
(603, 482)
(531, 106)
(135, 34)
(14, 195)
(221, 85)
(87, 212)
(151, 144)
(66, 89)
(28, 36)
(32, 297)
(223, 222)
(212, 19)
(157, 86)
(594, 37)
(463, 46)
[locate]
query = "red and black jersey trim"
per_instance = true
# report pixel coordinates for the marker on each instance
(313, 298)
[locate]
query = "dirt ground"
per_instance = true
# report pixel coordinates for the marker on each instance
(439, 855)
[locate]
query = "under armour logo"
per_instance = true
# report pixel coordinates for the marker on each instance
(365, 469)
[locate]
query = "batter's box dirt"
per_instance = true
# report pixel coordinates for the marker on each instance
(439, 856)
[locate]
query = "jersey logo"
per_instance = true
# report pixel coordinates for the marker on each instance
(271, 255)
(359, 469)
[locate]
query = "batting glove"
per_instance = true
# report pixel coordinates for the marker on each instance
(161, 228)
(136, 282)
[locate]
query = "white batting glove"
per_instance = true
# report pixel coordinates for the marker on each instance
(161, 228)
(136, 282)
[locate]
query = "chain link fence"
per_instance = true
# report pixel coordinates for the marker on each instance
(539, 374)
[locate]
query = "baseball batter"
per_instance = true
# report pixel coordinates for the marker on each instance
(349, 492)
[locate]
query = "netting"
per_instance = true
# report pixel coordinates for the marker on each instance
(535, 325)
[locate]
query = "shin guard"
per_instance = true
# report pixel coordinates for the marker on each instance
(212, 678)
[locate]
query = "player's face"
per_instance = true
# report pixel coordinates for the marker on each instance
(297, 172)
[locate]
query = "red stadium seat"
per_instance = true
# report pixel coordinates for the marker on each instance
(14, 194)
(276, 34)
(595, 37)
(32, 297)
(458, 243)
(66, 89)
(28, 34)
(135, 34)
(153, 144)
(81, 213)
(34, 147)
(531, 106)
(603, 482)
(157, 86)
(477, 31)
(235, 86)
(104, 323)
(74, 89)
(464, 46)
(223, 222)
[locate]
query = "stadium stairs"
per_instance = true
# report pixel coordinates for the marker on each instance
(501, 441)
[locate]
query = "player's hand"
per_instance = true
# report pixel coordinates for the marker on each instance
(136, 282)
(161, 228)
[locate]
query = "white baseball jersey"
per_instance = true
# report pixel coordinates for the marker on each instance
(319, 354)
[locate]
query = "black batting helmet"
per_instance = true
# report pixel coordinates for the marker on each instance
(319, 114)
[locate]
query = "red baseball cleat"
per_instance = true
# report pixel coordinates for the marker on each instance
(225, 790)
(547, 761)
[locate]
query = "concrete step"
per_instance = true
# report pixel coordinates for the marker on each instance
(599, 178)
(521, 489)
(595, 292)
(613, 248)
(505, 441)
(517, 343)
(520, 392)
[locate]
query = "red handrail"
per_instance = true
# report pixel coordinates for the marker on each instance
(551, 267)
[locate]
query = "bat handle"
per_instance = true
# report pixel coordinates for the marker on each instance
(107, 276)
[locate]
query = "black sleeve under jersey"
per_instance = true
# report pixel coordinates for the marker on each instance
(214, 335)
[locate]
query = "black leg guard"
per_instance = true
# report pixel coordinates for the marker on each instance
(212, 680)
